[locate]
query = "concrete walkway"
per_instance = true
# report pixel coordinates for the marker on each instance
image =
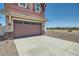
(46, 46)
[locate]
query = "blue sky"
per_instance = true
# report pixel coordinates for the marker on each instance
(62, 15)
(2, 16)
(58, 15)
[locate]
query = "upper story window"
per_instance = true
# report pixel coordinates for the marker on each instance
(37, 7)
(25, 5)
(28, 5)
(22, 5)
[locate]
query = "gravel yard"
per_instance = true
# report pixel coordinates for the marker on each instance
(7, 48)
(70, 36)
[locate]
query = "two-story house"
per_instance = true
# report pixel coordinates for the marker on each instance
(24, 19)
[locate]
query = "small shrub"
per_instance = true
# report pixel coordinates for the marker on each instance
(70, 30)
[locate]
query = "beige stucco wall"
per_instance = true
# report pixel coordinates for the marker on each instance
(9, 28)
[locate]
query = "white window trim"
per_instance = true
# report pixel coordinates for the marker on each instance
(38, 11)
(22, 6)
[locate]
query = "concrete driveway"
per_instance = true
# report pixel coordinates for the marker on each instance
(46, 46)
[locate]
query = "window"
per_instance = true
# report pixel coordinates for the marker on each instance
(25, 5)
(19, 22)
(22, 5)
(37, 7)
(28, 5)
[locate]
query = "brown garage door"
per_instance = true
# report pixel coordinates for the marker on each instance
(22, 29)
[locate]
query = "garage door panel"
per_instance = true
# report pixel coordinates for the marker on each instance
(26, 29)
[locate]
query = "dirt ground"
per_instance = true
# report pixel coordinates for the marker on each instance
(7, 48)
(71, 36)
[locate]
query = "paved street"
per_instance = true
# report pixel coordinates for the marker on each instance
(46, 46)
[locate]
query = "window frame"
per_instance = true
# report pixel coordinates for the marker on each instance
(28, 6)
(19, 4)
(38, 7)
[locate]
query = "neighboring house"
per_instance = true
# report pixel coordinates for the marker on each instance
(2, 30)
(24, 19)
